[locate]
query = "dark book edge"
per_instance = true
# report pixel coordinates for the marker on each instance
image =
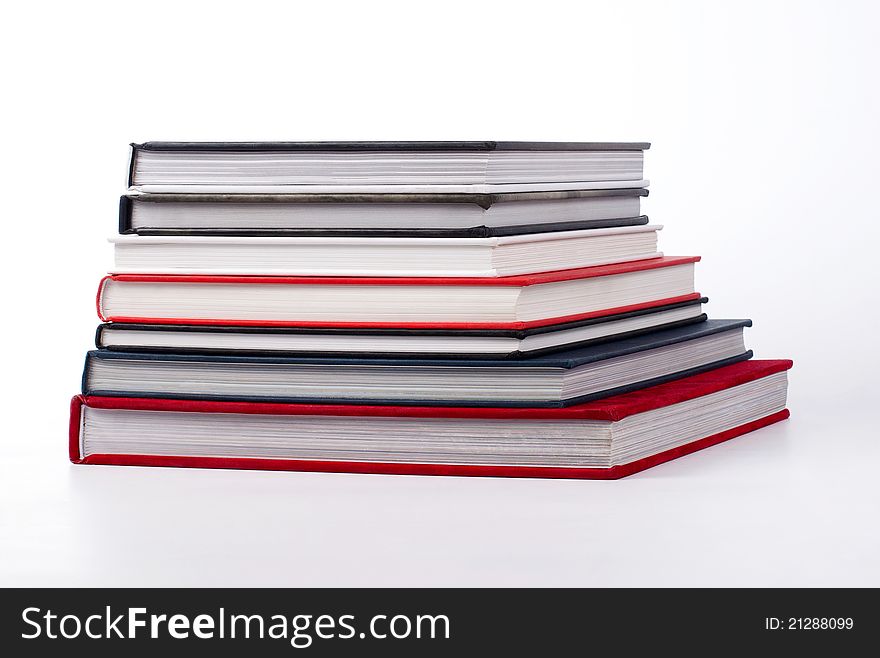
(477, 356)
(470, 232)
(125, 208)
(405, 146)
(132, 155)
(484, 200)
(542, 404)
(567, 359)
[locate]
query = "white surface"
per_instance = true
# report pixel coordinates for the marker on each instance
(784, 217)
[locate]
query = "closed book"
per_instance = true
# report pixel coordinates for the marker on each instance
(391, 343)
(384, 256)
(505, 302)
(378, 214)
(410, 167)
(558, 379)
(606, 439)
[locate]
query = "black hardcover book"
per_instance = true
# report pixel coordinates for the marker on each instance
(393, 146)
(394, 343)
(553, 380)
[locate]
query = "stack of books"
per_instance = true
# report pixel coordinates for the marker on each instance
(460, 308)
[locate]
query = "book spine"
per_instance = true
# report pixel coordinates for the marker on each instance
(73, 445)
(131, 162)
(99, 336)
(125, 207)
(84, 382)
(99, 298)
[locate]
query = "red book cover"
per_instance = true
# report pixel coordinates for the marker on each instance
(515, 281)
(610, 409)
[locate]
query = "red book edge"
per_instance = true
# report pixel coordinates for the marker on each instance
(384, 468)
(611, 409)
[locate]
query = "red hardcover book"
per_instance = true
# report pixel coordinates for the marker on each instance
(512, 302)
(605, 439)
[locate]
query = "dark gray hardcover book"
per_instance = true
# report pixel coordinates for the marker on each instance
(359, 163)
(379, 214)
(397, 146)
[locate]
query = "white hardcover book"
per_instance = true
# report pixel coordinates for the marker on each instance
(380, 256)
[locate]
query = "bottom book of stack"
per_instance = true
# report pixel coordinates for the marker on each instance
(604, 439)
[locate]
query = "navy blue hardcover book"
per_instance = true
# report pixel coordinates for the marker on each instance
(551, 380)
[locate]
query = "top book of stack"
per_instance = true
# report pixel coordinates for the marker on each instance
(457, 166)
(424, 189)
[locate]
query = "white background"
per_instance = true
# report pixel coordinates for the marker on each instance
(764, 120)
